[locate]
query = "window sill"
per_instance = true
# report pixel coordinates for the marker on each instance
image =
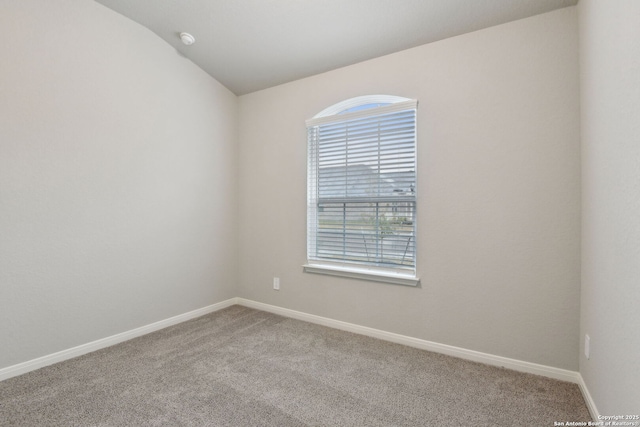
(361, 274)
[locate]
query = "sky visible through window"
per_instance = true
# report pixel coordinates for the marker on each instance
(363, 107)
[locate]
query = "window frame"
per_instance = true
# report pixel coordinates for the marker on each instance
(355, 269)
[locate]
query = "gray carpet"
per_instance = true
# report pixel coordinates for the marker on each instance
(243, 367)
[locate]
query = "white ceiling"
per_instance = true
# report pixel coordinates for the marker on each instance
(249, 45)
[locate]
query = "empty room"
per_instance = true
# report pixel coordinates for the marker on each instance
(320, 213)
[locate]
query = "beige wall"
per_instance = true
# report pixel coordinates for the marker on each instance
(498, 248)
(117, 189)
(610, 124)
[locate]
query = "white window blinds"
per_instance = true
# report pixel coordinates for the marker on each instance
(362, 187)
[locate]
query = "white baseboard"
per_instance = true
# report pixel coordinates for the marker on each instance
(462, 353)
(476, 356)
(588, 399)
(40, 362)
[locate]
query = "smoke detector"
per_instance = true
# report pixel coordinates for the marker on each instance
(187, 38)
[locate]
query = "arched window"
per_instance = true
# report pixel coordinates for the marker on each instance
(362, 189)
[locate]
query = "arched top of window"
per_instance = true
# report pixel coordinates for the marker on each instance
(360, 103)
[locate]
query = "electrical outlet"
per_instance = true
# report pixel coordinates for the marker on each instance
(587, 344)
(276, 283)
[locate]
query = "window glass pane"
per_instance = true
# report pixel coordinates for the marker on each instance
(380, 233)
(362, 180)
